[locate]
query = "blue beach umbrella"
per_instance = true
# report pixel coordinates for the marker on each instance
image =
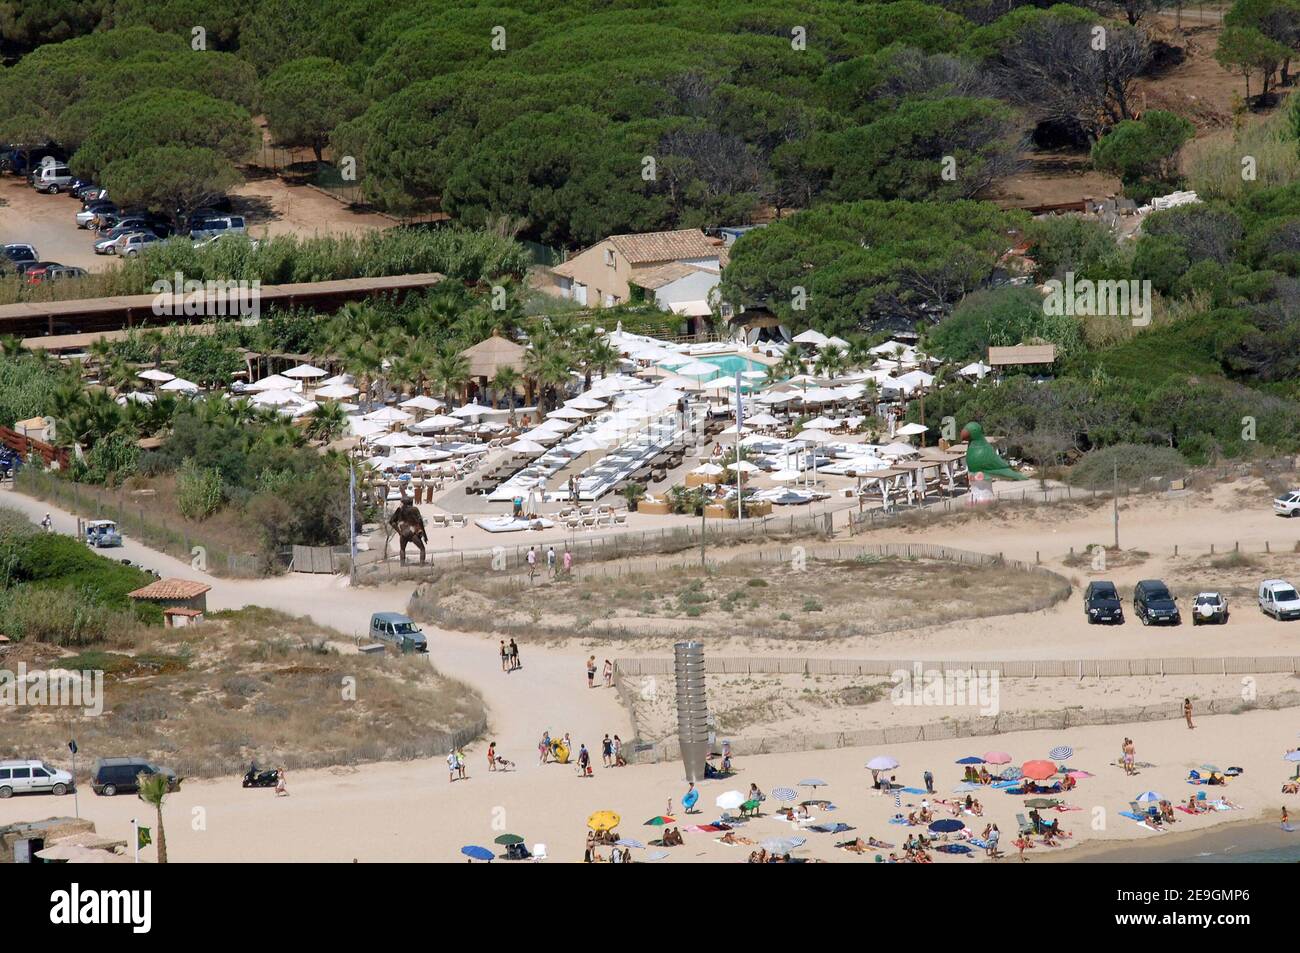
(946, 826)
(970, 760)
(785, 794)
(1148, 797)
(1061, 753)
(477, 853)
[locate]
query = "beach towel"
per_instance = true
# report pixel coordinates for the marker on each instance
(837, 828)
(953, 848)
(1130, 814)
(1066, 807)
(914, 791)
(898, 820)
(1158, 830)
(707, 828)
(1004, 784)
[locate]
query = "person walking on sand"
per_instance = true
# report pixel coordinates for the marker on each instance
(282, 783)
(505, 657)
(929, 781)
(591, 672)
(550, 560)
(514, 655)
(492, 755)
(607, 751)
(1187, 712)
(532, 562)
(544, 747)
(568, 561)
(462, 764)
(451, 765)
(609, 673)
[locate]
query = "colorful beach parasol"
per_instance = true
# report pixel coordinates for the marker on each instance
(659, 821)
(1037, 770)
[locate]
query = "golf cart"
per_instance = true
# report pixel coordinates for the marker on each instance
(102, 533)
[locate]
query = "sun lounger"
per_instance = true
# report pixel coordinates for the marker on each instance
(1025, 826)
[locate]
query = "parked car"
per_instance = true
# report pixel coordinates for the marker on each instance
(107, 243)
(1153, 603)
(91, 211)
(102, 533)
(215, 239)
(398, 630)
(52, 179)
(224, 225)
(1288, 504)
(128, 246)
(1278, 598)
(17, 253)
(25, 267)
(1101, 603)
(58, 273)
(35, 169)
(79, 186)
(30, 777)
(1209, 608)
(111, 776)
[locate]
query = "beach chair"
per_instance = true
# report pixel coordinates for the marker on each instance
(458, 519)
(539, 853)
(438, 519)
(620, 519)
(1026, 827)
(589, 522)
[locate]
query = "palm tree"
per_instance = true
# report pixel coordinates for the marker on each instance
(546, 366)
(327, 422)
(506, 381)
(830, 362)
(11, 345)
(450, 371)
(600, 356)
(858, 355)
(154, 788)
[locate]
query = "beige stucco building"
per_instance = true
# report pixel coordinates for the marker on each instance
(623, 268)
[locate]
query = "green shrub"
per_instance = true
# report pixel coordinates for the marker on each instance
(199, 492)
(1135, 463)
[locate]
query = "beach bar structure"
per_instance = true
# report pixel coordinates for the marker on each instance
(175, 594)
(692, 708)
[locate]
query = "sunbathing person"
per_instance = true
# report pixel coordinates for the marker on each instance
(731, 837)
(857, 845)
(985, 777)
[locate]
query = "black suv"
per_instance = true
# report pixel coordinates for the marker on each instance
(1101, 603)
(1153, 602)
(110, 776)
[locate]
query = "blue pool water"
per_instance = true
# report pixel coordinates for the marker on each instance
(731, 363)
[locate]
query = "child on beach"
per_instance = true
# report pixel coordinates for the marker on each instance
(609, 673)
(492, 756)
(281, 783)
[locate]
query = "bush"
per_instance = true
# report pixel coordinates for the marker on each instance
(1136, 463)
(61, 617)
(50, 561)
(199, 491)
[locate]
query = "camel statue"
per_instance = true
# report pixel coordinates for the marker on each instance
(409, 525)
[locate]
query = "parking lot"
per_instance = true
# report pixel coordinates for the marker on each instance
(270, 207)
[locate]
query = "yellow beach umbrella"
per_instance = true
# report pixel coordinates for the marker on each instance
(603, 821)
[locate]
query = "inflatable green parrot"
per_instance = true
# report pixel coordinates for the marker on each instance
(982, 458)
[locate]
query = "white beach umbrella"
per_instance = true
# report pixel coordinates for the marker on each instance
(338, 379)
(729, 800)
(897, 450)
(586, 402)
(786, 475)
(814, 435)
(422, 402)
(911, 430)
(474, 409)
(882, 762)
(744, 466)
(821, 423)
(708, 469)
(568, 413)
(160, 377)
(336, 391)
(436, 422)
(401, 440)
(305, 371)
(526, 446)
(276, 398)
(810, 336)
(389, 415)
(274, 382)
(698, 369)
(181, 385)
(762, 420)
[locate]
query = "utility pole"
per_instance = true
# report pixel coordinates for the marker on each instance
(352, 521)
(1114, 495)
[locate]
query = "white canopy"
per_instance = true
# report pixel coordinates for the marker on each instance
(762, 420)
(305, 370)
(364, 428)
(274, 382)
(388, 415)
(810, 336)
(277, 398)
(821, 423)
(586, 402)
(181, 384)
(698, 369)
(708, 469)
(436, 422)
(471, 410)
(338, 379)
(336, 391)
(401, 440)
(155, 375)
(978, 370)
(744, 466)
(526, 446)
(897, 450)
(911, 430)
(422, 402)
(815, 436)
(569, 413)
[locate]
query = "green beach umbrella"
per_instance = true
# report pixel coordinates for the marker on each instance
(505, 840)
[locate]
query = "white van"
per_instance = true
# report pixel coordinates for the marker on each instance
(28, 777)
(1279, 598)
(218, 225)
(52, 178)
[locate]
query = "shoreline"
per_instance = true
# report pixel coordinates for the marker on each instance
(1236, 837)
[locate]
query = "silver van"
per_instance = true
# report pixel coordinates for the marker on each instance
(218, 225)
(52, 178)
(398, 630)
(30, 777)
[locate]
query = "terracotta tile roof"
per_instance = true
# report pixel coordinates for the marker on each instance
(664, 246)
(176, 610)
(171, 589)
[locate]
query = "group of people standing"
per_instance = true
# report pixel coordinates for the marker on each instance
(509, 656)
(565, 561)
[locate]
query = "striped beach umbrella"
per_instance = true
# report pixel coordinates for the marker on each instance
(785, 794)
(1061, 753)
(1148, 797)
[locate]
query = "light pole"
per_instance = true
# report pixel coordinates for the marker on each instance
(76, 804)
(1114, 496)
